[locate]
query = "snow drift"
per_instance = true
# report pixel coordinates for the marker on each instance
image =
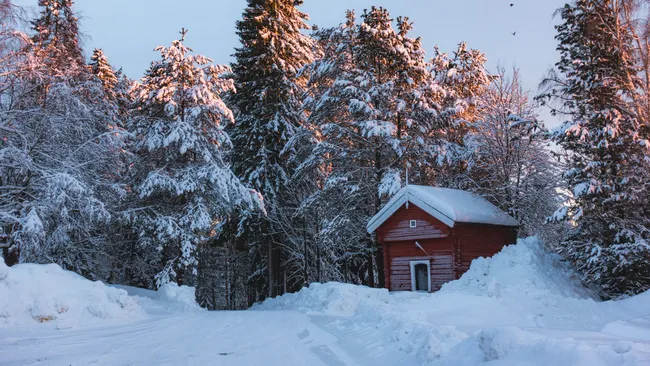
(331, 299)
(170, 298)
(37, 293)
(183, 296)
(408, 329)
(524, 269)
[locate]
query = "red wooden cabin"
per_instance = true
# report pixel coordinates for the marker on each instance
(430, 235)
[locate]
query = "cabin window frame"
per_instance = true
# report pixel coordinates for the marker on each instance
(412, 265)
(413, 224)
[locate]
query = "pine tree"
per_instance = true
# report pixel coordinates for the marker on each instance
(268, 112)
(463, 79)
(100, 67)
(117, 86)
(183, 187)
(607, 147)
(57, 37)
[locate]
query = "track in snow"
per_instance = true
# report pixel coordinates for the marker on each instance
(196, 338)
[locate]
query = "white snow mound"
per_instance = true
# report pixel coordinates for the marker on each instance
(184, 297)
(37, 293)
(331, 298)
(524, 269)
(169, 299)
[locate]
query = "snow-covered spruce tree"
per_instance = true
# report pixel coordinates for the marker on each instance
(183, 187)
(117, 86)
(307, 257)
(268, 112)
(368, 94)
(512, 165)
(594, 84)
(463, 79)
(58, 153)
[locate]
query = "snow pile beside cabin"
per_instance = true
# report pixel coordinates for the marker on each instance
(525, 269)
(36, 293)
(481, 316)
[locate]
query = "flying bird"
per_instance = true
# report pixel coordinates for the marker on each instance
(514, 33)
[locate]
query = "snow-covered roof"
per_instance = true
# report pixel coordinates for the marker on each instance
(447, 205)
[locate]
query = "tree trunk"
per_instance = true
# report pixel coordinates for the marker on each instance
(371, 267)
(271, 264)
(379, 258)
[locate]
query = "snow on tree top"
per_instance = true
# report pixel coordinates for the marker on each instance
(447, 205)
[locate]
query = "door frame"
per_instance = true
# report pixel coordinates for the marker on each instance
(413, 280)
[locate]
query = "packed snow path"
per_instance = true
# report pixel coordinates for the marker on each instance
(195, 338)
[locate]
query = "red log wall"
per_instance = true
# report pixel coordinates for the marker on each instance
(478, 240)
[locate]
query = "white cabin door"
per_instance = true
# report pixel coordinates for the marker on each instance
(420, 276)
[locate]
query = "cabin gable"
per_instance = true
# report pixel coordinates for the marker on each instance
(399, 226)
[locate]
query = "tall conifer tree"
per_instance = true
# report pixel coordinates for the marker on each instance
(57, 37)
(268, 110)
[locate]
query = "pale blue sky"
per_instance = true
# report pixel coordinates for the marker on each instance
(128, 30)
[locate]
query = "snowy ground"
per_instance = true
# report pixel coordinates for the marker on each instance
(522, 307)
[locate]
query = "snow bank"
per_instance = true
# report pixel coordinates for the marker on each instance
(183, 297)
(524, 269)
(332, 298)
(169, 299)
(36, 293)
(528, 286)
(636, 325)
